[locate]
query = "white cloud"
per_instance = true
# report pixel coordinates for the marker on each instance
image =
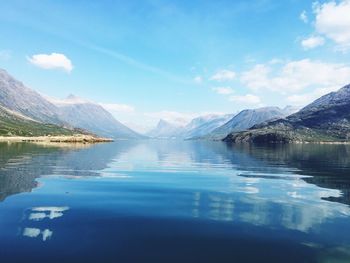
(275, 61)
(246, 99)
(223, 75)
(312, 42)
(40, 213)
(257, 77)
(223, 90)
(333, 21)
(306, 98)
(140, 127)
(52, 61)
(296, 76)
(118, 108)
(303, 17)
(5, 54)
(300, 99)
(198, 79)
(249, 59)
(35, 232)
(31, 232)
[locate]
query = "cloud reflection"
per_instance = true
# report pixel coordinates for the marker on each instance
(36, 232)
(40, 213)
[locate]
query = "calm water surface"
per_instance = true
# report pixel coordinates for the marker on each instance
(171, 201)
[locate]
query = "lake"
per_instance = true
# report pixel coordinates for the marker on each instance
(174, 201)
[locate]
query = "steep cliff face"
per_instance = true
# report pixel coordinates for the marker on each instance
(19, 98)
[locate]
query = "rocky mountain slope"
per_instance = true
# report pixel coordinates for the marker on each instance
(92, 117)
(38, 110)
(19, 98)
(204, 125)
(325, 119)
(197, 127)
(248, 118)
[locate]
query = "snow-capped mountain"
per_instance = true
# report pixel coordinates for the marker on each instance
(204, 125)
(165, 130)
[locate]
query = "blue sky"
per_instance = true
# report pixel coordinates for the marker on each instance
(154, 59)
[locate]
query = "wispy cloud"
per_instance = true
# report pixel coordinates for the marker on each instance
(134, 62)
(248, 99)
(223, 75)
(5, 54)
(198, 79)
(312, 42)
(223, 90)
(303, 17)
(118, 108)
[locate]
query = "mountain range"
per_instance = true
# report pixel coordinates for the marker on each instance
(248, 118)
(197, 127)
(165, 130)
(92, 117)
(218, 126)
(25, 111)
(325, 119)
(204, 125)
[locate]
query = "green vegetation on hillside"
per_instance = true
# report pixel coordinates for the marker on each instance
(13, 125)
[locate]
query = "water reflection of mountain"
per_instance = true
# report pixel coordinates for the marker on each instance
(326, 166)
(262, 186)
(22, 163)
(285, 186)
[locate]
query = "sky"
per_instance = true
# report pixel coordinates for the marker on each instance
(175, 60)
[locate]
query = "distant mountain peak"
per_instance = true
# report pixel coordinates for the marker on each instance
(165, 129)
(71, 98)
(3, 71)
(163, 122)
